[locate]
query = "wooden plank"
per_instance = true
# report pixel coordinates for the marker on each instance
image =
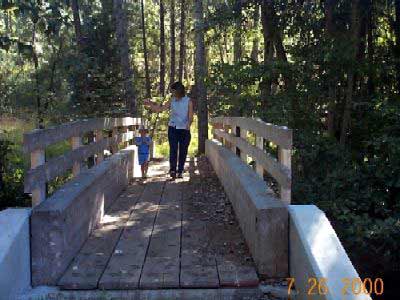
(126, 263)
(279, 135)
(59, 165)
(161, 268)
(280, 173)
(41, 138)
(198, 264)
(87, 267)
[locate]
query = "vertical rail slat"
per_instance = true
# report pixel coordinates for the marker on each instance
(38, 158)
(285, 158)
(99, 137)
(76, 142)
(260, 144)
(243, 135)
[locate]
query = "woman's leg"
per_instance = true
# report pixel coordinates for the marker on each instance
(173, 148)
(184, 141)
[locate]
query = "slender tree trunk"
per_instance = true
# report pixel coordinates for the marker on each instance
(355, 32)
(256, 42)
(172, 40)
(40, 121)
(200, 75)
(162, 50)
(77, 24)
(265, 85)
(123, 50)
(237, 36)
(182, 50)
(330, 31)
(146, 62)
(371, 52)
(397, 45)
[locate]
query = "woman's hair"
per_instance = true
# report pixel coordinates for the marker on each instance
(179, 87)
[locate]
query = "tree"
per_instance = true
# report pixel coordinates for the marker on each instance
(200, 75)
(182, 46)
(172, 40)
(162, 50)
(123, 50)
(146, 62)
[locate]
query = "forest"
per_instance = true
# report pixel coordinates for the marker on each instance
(328, 69)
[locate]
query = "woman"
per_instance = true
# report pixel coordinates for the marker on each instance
(180, 120)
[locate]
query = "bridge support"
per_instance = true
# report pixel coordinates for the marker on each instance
(61, 224)
(262, 217)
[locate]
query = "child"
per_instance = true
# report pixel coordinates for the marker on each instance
(143, 142)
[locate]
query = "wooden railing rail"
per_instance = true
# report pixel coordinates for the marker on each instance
(108, 133)
(233, 132)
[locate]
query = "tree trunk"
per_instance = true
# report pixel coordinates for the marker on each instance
(265, 85)
(123, 51)
(256, 42)
(237, 36)
(182, 49)
(77, 24)
(162, 50)
(200, 75)
(355, 32)
(396, 27)
(371, 52)
(172, 41)
(146, 62)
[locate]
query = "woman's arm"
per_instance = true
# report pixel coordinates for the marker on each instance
(156, 107)
(190, 113)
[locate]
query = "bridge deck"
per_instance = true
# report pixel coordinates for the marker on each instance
(166, 234)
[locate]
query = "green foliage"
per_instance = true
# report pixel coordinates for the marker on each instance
(11, 177)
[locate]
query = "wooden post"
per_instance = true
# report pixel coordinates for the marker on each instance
(38, 194)
(99, 137)
(76, 142)
(260, 144)
(126, 144)
(285, 158)
(243, 135)
(114, 147)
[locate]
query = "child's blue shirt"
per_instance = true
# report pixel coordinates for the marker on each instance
(142, 147)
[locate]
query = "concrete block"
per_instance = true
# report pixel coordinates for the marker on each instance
(316, 254)
(61, 224)
(15, 271)
(263, 218)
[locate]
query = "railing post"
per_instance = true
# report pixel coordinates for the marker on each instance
(99, 137)
(285, 158)
(243, 135)
(126, 130)
(260, 144)
(114, 147)
(76, 142)
(39, 193)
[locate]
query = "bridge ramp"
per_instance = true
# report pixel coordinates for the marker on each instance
(163, 234)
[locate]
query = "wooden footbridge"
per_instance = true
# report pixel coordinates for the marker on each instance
(220, 232)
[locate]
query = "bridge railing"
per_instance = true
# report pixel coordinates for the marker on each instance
(233, 133)
(107, 133)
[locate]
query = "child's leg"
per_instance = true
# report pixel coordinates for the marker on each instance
(142, 167)
(146, 167)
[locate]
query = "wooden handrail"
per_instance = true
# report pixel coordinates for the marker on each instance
(43, 171)
(279, 169)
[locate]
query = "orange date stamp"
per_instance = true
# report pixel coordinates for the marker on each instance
(349, 286)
